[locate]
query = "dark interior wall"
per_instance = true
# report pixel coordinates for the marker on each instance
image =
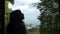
(1, 16)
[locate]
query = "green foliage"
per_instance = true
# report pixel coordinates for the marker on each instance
(7, 12)
(33, 32)
(50, 17)
(11, 1)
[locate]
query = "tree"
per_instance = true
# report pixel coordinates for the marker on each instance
(11, 1)
(7, 12)
(2, 25)
(50, 16)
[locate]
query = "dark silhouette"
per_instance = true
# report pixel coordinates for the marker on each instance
(16, 25)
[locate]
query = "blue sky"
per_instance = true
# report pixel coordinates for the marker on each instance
(31, 12)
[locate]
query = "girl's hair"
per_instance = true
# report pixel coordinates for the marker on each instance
(16, 15)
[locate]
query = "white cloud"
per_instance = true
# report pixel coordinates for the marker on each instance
(30, 14)
(30, 10)
(29, 1)
(20, 7)
(22, 3)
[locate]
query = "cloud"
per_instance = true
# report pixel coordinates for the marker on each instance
(29, 1)
(20, 7)
(32, 10)
(22, 3)
(30, 13)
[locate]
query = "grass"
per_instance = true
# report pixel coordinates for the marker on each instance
(33, 32)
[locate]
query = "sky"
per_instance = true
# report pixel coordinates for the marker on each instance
(30, 12)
